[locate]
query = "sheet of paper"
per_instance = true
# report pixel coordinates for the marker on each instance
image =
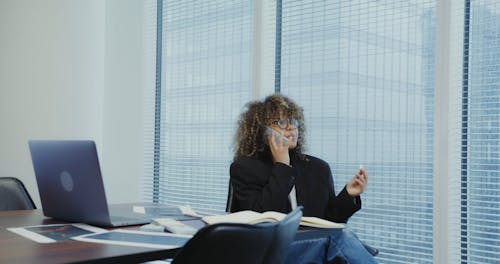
(137, 238)
(183, 212)
(139, 209)
(55, 232)
(187, 210)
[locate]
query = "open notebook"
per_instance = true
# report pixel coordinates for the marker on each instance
(252, 217)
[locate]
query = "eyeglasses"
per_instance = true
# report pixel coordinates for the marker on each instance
(283, 123)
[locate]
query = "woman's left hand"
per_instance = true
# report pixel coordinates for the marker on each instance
(356, 186)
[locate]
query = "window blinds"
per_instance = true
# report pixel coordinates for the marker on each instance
(480, 134)
(363, 71)
(206, 80)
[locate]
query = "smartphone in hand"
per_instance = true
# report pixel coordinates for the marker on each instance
(276, 135)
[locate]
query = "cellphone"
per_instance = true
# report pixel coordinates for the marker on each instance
(276, 135)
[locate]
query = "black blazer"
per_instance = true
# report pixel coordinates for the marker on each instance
(261, 185)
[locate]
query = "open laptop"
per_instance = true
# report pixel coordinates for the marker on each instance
(71, 186)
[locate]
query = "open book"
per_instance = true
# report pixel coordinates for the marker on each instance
(251, 217)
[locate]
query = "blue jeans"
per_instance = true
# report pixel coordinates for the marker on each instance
(340, 246)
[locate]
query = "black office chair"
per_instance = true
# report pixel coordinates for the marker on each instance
(241, 243)
(14, 196)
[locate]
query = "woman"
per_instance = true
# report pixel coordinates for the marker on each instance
(270, 172)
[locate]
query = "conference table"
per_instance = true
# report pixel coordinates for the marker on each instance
(18, 249)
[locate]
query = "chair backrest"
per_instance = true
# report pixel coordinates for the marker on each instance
(266, 243)
(285, 235)
(228, 243)
(14, 196)
(229, 202)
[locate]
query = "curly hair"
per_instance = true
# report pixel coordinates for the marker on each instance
(249, 139)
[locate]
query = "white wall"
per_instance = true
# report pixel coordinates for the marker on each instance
(123, 88)
(72, 69)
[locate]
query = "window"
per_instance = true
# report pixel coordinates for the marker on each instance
(206, 70)
(480, 134)
(364, 71)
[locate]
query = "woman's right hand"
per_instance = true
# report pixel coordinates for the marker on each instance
(279, 150)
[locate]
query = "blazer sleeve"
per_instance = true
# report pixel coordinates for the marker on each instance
(258, 187)
(342, 206)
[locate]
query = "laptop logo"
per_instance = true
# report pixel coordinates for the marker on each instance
(66, 181)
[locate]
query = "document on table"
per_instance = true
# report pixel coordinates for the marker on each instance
(54, 232)
(179, 213)
(137, 238)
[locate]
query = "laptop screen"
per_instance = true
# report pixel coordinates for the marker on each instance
(69, 180)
